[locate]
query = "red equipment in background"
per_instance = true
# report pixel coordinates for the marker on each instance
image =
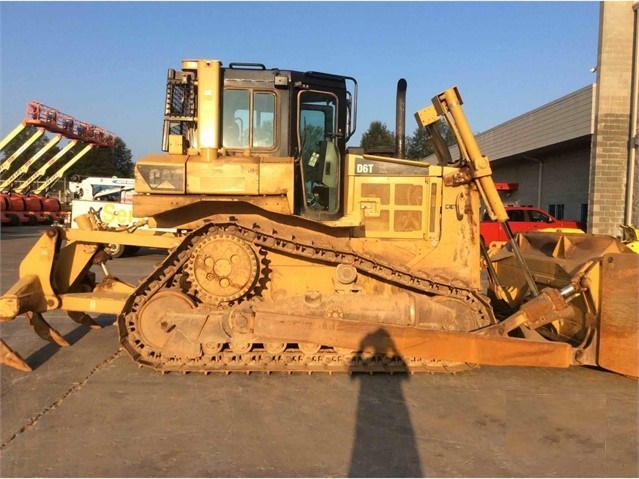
(17, 204)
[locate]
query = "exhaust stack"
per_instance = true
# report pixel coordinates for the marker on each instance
(400, 120)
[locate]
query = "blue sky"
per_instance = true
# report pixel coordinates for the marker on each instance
(106, 62)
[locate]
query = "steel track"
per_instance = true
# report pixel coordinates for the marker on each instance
(326, 360)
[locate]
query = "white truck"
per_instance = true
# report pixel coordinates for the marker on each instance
(94, 187)
(111, 198)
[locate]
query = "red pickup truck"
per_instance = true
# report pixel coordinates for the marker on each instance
(525, 218)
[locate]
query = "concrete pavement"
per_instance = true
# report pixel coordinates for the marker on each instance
(88, 411)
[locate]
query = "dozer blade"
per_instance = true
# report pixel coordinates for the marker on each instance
(44, 329)
(411, 342)
(9, 357)
(619, 330)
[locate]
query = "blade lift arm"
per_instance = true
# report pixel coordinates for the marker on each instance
(477, 166)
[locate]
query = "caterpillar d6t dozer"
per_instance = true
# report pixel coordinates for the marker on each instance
(288, 251)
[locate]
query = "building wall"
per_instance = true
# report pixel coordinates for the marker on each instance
(566, 178)
(610, 144)
(562, 173)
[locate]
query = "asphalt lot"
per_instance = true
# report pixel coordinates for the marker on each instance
(88, 411)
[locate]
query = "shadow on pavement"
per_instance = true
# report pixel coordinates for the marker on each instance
(147, 252)
(384, 443)
(45, 353)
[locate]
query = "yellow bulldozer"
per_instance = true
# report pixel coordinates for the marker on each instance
(288, 251)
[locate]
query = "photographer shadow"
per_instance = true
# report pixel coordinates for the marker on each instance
(384, 443)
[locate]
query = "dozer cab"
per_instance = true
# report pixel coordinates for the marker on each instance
(287, 251)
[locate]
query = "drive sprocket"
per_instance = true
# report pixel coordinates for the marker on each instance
(221, 269)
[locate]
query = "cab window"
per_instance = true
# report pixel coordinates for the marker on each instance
(264, 120)
(248, 119)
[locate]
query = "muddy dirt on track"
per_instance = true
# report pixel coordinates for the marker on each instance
(88, 411)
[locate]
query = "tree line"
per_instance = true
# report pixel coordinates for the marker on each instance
(418, 145)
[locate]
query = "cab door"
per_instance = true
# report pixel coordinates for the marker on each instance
(319, 156)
